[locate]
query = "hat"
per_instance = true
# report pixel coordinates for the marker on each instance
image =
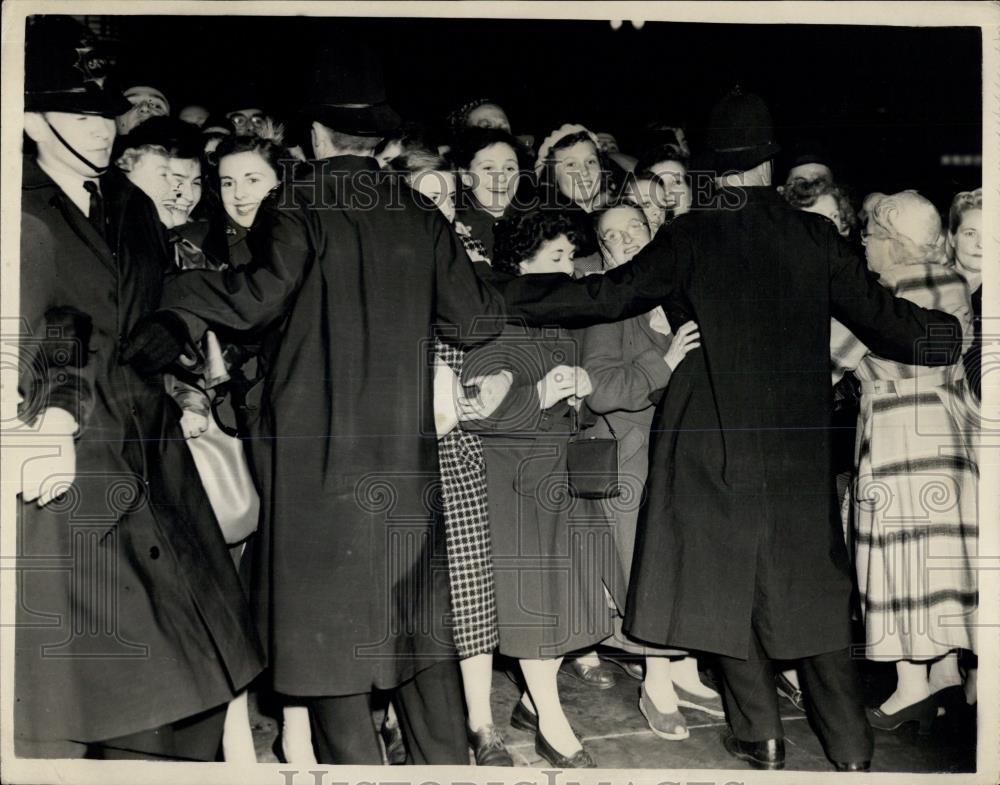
(66, 70)
(347, 93)
(740, 133)
(560, 133)
(181, 139)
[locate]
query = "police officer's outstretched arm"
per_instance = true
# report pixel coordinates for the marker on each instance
(629, 290)
(245, 299)
(890, 326)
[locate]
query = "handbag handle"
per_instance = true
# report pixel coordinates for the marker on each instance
(576, 423)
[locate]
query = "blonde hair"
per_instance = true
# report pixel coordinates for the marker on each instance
(128, 159)
(960, 205)
(912, 224)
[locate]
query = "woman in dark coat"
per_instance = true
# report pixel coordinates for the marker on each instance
(552, 553)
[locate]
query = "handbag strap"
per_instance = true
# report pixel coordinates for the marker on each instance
(612, 430)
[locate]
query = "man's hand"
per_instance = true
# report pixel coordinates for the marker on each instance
(563, 381)
(193, 424)
(156, 342)
(47, 477)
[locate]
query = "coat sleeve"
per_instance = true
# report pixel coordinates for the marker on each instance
(846, 351)
(54, 359)
(889, 326)
(621, 383)
(253, 296)
(472, 307)
(628, 290)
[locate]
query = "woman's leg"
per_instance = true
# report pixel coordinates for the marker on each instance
(540, 676)
(944, 673)
(237, 736)
(684, 673)
(296, 735)
(477, 681)
(911, 686)
(658, 684)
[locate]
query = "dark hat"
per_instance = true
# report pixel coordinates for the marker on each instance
(67, 70)
(740, 133)
(347, 92)
(182, 140)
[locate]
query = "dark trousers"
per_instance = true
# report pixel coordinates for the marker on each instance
(832, 690)
(196, 738)
(431, 715)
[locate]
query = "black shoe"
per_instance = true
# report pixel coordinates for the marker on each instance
(854, 765)
(523, 718)
(552, 756)
(487, 744)
(597, 676)
(922, 712)
(768, 754)
(395, 748)
(789, 691)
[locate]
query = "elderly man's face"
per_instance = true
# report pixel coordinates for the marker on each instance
(812, 171)
(146, 102)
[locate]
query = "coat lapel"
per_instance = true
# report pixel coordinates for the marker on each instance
(85, 230)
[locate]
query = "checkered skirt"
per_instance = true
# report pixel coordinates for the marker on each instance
(915, 494)
(467, 533)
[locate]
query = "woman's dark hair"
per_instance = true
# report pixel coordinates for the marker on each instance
(801, 193)
(520, 235)
(274, 153)
(471, 140)
(410, 136)
(417, 161)
(661, 152)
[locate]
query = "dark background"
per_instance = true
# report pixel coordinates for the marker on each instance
(888, 102)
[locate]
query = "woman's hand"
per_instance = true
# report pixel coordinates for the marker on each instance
(491, 390)
(193, 424)
(563, 381)
(685, 339)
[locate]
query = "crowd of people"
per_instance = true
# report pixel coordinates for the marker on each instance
(319, 385)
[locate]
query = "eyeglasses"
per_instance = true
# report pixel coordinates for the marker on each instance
(633, 230)
(242, 121)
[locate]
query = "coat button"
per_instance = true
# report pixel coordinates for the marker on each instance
(154, 552)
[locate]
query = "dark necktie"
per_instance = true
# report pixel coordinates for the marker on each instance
(96, 216)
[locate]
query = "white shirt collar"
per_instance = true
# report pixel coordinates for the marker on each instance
(71, 184)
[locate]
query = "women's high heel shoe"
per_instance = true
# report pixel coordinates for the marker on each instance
(923, 712)
(552, 756)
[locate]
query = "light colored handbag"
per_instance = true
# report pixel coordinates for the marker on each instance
(222, 467)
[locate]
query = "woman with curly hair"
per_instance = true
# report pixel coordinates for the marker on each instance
(490, 163)
(823, 197)
(916, 488)
(551, 552)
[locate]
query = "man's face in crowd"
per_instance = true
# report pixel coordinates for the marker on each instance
(246, 120)
(488, 116)
(651, 197)
(194, 114)
(812, 171)
(90, 135)
(146, 102)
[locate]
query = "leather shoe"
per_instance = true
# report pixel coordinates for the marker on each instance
(789, 691)
(671, 726)
(523, 718)
(853, 765)
(768, 754)
(598, 677)
(489, 748)
(632, 668)
(922, 712)
(552, 756)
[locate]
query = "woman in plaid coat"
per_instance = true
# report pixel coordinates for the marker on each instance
(917, 476)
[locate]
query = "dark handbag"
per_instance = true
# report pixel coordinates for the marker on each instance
(592, 466)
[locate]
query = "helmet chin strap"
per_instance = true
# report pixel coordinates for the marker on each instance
(68, 146)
